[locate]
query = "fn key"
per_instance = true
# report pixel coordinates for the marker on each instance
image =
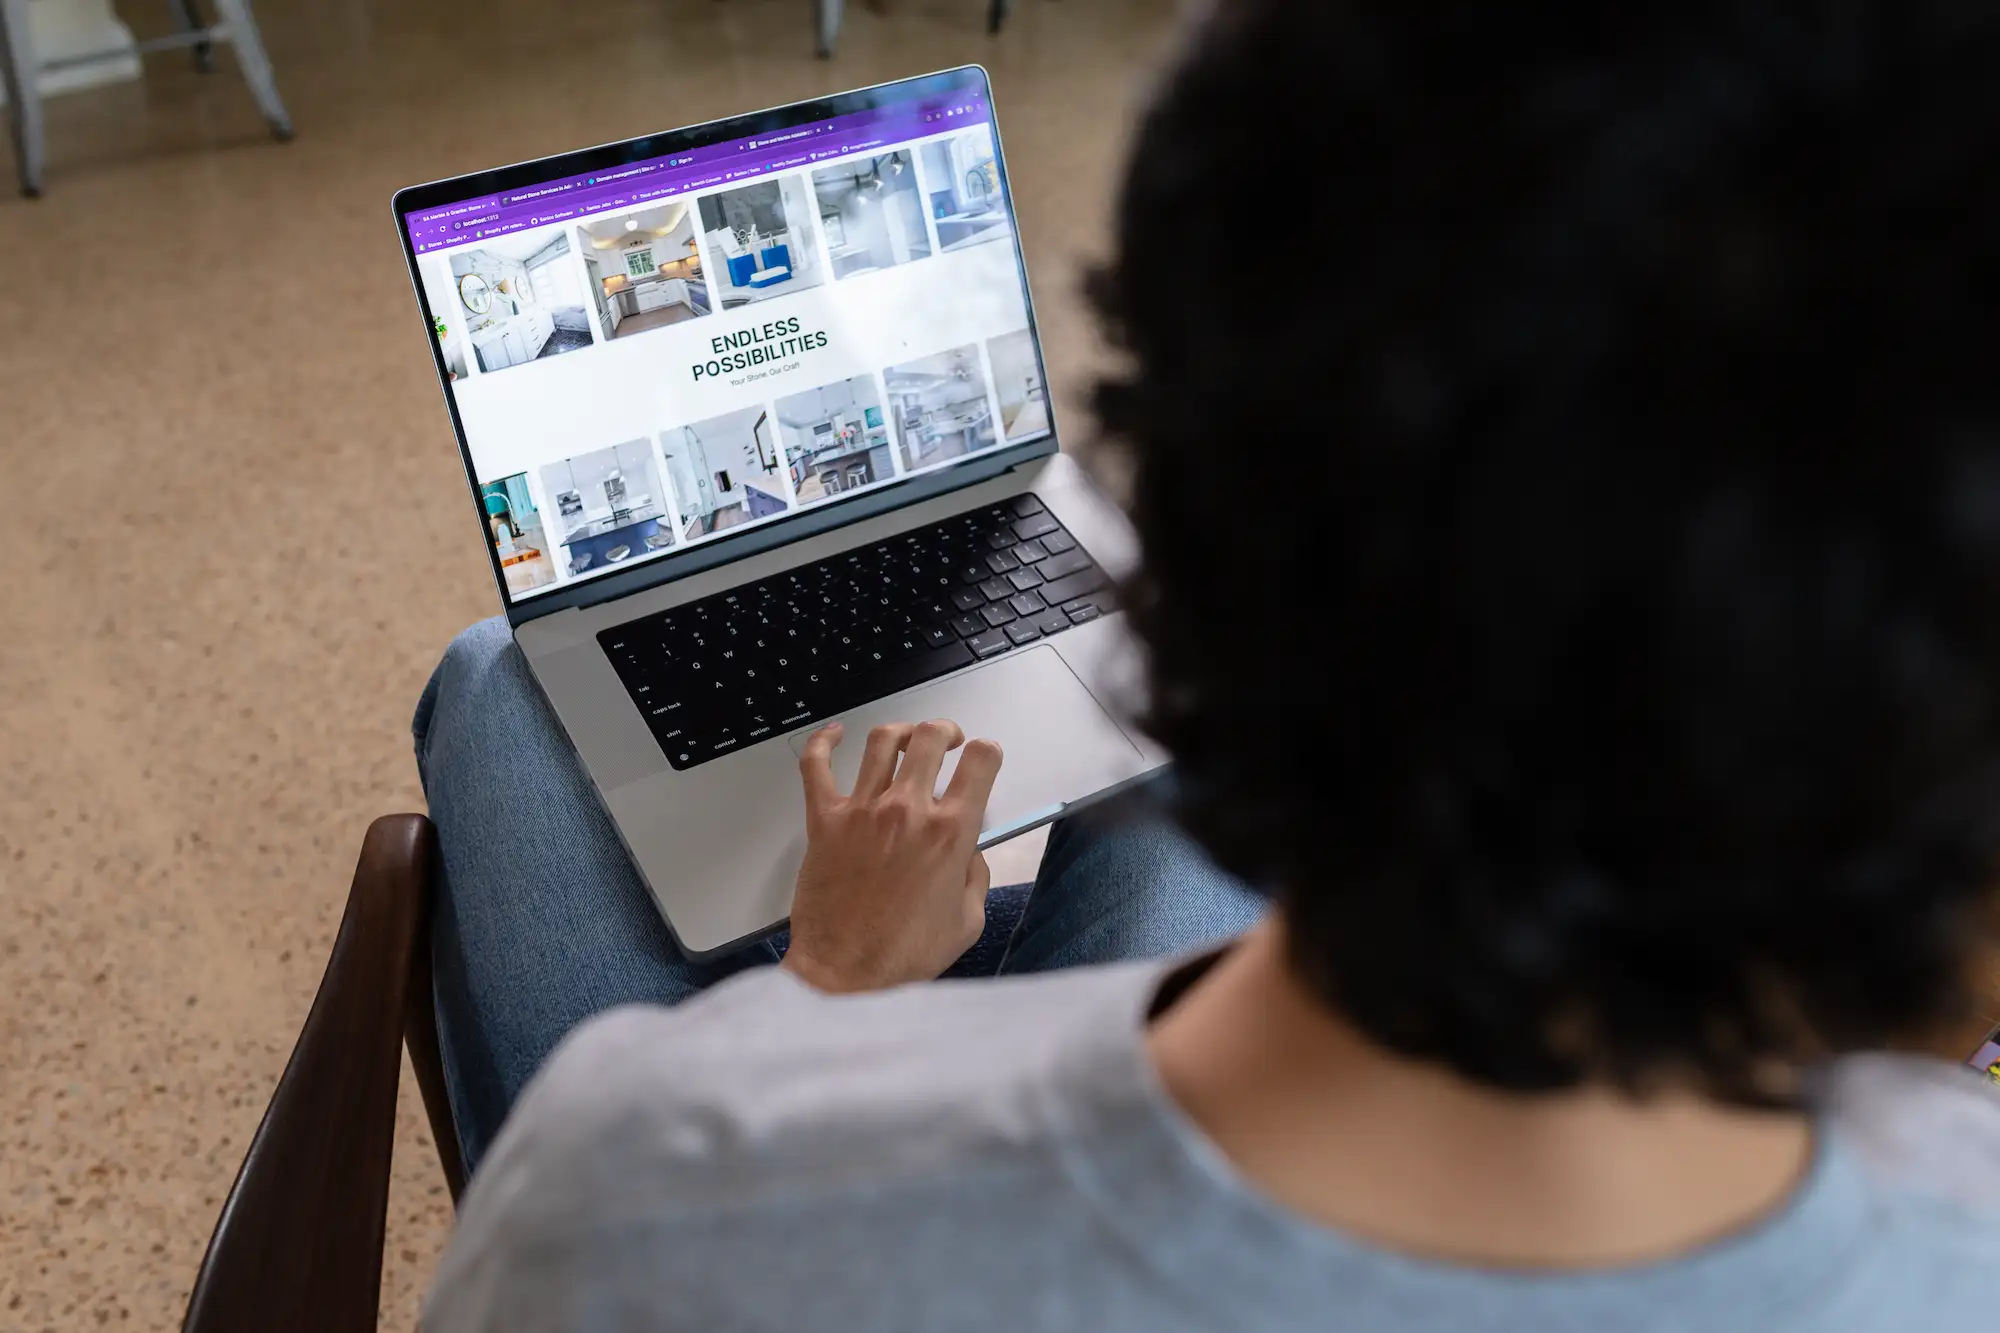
(987, 644)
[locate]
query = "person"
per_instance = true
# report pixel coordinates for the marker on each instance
(1591, 655)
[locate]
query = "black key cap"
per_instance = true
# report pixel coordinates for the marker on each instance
(1073, 586)
(1083, 615)
(1025, 579)
(1025, 505)
(998, 590)
(1052, 622)
(1025, 528)
(1028, 552)
(967, 599)
(999, 541)
(1000, 562)
(989, 643)
(1065, 562)
(1057, 541)
(1023, 631)
(967, 626)
(939, 638)
(973, 573)
(997, 614)
(1026, 603)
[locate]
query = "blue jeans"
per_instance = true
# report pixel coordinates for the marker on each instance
(542, 921)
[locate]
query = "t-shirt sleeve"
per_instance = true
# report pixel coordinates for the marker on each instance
(570, 1216)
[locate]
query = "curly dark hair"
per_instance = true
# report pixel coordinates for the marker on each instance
(1572, 531)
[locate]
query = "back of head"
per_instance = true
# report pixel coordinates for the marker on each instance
(1572, 512)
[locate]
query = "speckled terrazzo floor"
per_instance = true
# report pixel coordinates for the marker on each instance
(238, 538)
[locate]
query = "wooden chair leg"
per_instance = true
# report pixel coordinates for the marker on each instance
(420, 1038)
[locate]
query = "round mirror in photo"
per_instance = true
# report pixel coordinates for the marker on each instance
(521, 299)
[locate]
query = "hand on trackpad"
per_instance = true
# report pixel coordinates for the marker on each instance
(1060, 744)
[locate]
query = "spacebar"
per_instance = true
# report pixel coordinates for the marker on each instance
(926, 665)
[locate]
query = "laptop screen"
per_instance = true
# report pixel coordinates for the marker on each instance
(646, 354)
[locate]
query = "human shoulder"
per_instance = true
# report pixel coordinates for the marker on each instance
(766, 1083)
(1927, 1133)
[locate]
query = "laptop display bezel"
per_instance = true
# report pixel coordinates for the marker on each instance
(678, 564)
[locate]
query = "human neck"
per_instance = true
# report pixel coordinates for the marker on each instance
(1409, 1156)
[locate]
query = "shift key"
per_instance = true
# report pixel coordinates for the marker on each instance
(1068, 562)
(1057, 591)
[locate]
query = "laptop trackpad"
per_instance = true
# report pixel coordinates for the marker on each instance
(1060, 744)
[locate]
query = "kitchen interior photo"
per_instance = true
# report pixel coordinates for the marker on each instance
(515, 526)
(760, 239)
(872, 213)
(1017, 383)
(724, 471)
(522, 299)
(835, 439)
(941, 406)
(609, 506)
(445, 322)
(644, 269)
(962, 176)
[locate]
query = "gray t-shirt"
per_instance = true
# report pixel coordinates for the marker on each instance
(999, 1155)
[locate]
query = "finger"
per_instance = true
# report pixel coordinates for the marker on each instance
(929, 744)
(816, 765)
(973, 783)
(878, 761)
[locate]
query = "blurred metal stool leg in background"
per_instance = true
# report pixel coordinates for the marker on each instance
(188, 12)
(240, 30)
(827, 17)
(23, 70)
(24, 94)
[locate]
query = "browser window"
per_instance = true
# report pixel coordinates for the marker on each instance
(673, 351)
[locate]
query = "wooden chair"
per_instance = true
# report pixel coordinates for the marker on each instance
(298, 1246)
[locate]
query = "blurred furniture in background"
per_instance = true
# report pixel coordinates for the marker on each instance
(29, 75)
(298, 1247)
(828, 15)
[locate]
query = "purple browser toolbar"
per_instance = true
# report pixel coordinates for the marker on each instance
(695, 169)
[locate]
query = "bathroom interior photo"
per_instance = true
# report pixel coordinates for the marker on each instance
(835, 439)
(445, 314)
(962, 178)
(1017, 383)
(724, 471)
(941, 406)
(761, 241)
(609, 506)
(872, 213)
(515, 526)
(521, 298)
(644, 269)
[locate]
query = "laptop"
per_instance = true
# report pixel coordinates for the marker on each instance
(759, 437)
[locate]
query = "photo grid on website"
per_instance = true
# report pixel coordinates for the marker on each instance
(654, 363)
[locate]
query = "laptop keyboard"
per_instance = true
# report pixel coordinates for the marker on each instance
(761, 659)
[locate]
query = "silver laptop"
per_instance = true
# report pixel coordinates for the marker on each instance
(759, 436)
